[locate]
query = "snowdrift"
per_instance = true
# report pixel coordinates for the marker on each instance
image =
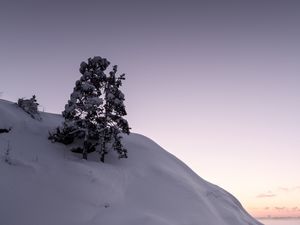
(46, 184)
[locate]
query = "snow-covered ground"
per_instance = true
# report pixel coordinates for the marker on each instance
(46, 184)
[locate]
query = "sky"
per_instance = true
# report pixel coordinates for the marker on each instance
(216, 83)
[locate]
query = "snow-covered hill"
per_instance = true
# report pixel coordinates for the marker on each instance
(46, 184)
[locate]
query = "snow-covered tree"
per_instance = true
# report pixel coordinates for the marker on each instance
(30, 106)
(94, 113)
(114, 110)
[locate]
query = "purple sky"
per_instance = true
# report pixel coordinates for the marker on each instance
(215, 83)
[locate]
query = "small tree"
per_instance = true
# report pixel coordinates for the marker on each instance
(5, 130)
(94, 113)
(30, 106)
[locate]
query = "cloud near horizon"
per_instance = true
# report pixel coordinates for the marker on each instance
(289, 189)
(279, 208)
(269, 194)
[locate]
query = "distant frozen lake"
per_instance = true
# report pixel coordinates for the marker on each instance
(281, 222)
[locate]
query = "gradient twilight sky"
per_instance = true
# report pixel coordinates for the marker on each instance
(216, 83)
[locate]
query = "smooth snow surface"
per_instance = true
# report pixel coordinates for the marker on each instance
(46, 184)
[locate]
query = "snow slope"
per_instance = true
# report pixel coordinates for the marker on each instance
(46, 184)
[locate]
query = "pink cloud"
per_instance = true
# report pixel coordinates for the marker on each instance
(269, 194)
(279, 208)
(289, 189)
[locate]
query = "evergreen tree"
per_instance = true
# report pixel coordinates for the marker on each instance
(94, 114)
(114, 110)
(30, 106)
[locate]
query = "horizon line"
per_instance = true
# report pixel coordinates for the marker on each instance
(278, 217)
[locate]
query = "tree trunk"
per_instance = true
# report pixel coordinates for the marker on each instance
(103, 152)
(85, 150)
(84, 154)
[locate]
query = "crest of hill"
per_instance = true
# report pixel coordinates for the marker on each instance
(46, 184)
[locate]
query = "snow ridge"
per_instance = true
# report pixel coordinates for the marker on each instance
(47, 184)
